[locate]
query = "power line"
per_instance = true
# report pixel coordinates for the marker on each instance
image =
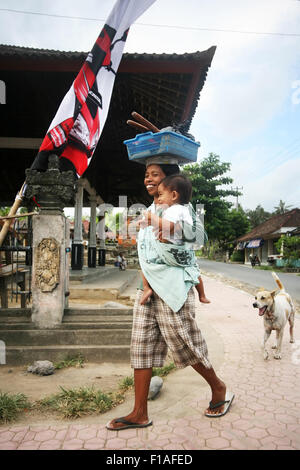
(279, 157)
(187, 28)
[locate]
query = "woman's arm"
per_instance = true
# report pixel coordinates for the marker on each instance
(147, 291)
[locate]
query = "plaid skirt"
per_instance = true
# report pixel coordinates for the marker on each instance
(156, 328)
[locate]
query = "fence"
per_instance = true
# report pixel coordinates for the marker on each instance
(16, 263)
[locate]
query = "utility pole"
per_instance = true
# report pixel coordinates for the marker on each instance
(237, 195)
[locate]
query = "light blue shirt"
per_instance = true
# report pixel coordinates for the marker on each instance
(169, 269)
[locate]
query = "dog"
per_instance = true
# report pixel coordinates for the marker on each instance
(277, 309)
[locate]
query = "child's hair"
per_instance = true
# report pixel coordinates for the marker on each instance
(181, 184)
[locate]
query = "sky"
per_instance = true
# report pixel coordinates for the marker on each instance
(249, 107)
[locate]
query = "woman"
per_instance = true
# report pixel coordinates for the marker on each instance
(155, 328)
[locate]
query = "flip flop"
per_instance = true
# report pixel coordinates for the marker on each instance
(128, 424)
(227, 403)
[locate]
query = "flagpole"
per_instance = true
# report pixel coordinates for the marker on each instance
(12, 212)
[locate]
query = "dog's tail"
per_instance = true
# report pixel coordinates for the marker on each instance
(278, 281)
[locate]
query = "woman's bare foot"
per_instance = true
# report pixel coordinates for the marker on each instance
(218, 394)
(146, 295)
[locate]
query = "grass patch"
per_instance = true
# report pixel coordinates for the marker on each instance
(127, 383)
(70, 361)
(278, 269)
(11, 405)
(267, 268)
(163, 371)
(74, 403)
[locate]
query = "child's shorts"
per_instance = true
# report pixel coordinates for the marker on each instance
(156, 328)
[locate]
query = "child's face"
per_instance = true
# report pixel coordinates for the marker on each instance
(167, 196)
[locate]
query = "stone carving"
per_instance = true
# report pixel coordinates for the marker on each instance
(52, 188)
(47, 262)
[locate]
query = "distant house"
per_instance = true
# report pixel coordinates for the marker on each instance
(260, 241)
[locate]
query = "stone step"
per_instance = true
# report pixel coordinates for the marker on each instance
(26, 355)
(88, 274)
(104, 312)
(70, 325)
(99, 337)
(14, 312)
(95, 293)
(109, 287)
(4, 321)
(95, 318)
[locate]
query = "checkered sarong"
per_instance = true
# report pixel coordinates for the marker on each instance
(156, 328)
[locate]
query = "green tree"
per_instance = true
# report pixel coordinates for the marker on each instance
(257, 216)
(4, 211)
(209, 181)
(281, 208)
(237, 225)
(291, 247)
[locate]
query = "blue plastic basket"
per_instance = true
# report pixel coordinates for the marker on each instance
(165, 144)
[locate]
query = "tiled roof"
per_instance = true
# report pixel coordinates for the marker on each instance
(7, 50)
(164, 88)
(289, 219)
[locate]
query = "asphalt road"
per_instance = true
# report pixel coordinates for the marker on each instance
(255, 277)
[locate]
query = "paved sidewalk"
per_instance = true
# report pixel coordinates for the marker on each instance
(264, 415)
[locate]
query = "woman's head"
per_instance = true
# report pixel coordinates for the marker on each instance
(155, 173)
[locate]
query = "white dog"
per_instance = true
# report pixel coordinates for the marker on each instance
(277, 308)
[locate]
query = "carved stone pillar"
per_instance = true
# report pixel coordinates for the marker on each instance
(50, 267)
(77, 246)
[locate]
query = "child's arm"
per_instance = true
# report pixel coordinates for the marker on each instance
(164, 228)
(147, 291)
(158, 222)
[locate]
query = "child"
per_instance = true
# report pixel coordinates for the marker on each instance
(173, 192)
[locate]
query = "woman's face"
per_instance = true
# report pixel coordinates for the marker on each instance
(153, 177)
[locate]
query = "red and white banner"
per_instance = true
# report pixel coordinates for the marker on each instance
(75, 130)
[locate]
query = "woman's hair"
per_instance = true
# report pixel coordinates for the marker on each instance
(169, 169)
(181, 184)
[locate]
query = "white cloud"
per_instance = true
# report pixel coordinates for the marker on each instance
(267, 190)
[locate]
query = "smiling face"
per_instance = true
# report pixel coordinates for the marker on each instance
(153, 177)
(264, 301)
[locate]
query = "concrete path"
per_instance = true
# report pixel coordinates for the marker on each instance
(265, 413)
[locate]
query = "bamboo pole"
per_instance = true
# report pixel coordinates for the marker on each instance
(12, 212)
(18, 215)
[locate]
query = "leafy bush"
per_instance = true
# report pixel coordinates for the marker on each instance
(291, 247)
(238, 255)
